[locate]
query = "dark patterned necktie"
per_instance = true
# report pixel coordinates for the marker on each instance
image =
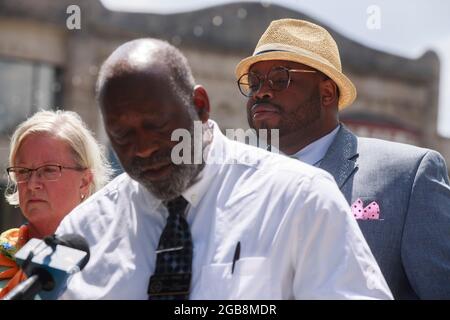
(172, 277)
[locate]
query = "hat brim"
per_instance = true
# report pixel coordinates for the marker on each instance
(347, 91)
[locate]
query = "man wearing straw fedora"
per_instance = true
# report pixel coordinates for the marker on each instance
(399, 193)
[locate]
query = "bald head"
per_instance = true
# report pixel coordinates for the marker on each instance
(147, 58)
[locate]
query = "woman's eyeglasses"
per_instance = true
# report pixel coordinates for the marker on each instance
(49, 172)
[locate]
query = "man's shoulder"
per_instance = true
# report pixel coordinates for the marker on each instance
(398, 159)
(120, 184)
(100, 205)
(390, 146)
(390, 150)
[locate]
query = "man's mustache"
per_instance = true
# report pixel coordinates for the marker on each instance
(266, 102)
(152, 160)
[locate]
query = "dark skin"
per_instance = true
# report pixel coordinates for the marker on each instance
(304, 112)
(140, 111)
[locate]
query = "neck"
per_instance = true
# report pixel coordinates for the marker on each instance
(295, 141)
(39, 233)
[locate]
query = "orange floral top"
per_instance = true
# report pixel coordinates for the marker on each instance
(10, 242)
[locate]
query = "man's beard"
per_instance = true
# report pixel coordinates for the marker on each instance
(303, 117)
(300, 118)
(181, 177)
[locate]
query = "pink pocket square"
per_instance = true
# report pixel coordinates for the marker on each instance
(370, 212)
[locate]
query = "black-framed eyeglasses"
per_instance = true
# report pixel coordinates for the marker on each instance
(48, 172)
(278, 78)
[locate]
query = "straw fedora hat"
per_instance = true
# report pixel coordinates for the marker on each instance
(303, 42)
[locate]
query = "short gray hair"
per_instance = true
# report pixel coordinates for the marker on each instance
(122, 60)
(70, 128)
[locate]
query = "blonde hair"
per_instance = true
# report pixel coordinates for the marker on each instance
(70, 128)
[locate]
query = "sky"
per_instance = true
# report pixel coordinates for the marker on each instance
(403, 27)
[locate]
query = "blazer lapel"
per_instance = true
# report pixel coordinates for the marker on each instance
(340, 159)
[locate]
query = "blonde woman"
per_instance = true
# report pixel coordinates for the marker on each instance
(55, 163)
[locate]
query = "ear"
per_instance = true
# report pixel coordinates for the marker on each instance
(201, 102)
(86, 182)
(329, 93)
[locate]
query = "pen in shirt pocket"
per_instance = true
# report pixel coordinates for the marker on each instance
(237, 254)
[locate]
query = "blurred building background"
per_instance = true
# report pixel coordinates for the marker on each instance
(45, 65)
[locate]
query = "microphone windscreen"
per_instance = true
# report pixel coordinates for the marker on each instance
(75, 241)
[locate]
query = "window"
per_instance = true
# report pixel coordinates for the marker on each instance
(26, 87)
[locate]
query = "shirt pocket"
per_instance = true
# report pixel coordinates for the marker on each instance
(250, 280)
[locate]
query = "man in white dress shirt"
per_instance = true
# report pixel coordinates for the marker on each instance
(263, 226)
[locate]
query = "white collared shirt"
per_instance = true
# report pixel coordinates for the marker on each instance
(314, 152)
(298, 238)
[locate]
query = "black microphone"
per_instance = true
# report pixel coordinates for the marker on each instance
(50, 267)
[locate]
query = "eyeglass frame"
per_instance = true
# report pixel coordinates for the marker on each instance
(30, 171)
(263, 80)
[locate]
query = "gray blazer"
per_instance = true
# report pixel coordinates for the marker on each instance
(411, 238)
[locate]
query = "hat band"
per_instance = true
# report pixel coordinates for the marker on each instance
(267, 48)
(273, 50)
